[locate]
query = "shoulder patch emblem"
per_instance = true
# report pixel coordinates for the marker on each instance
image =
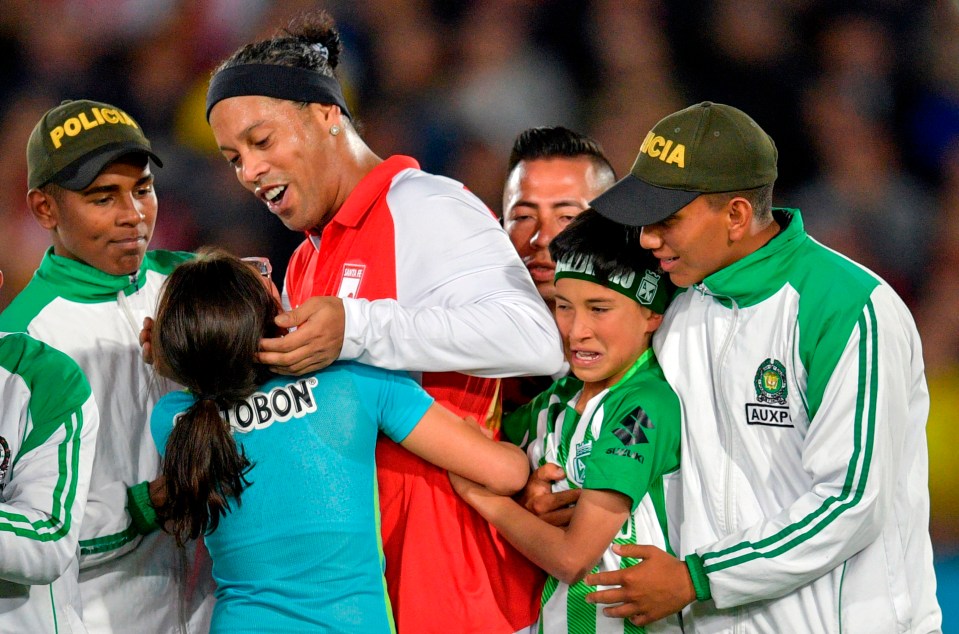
(630, 430)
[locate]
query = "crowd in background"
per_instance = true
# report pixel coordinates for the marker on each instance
(862, 99)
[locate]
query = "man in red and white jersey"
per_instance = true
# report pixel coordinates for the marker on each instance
(400, 269)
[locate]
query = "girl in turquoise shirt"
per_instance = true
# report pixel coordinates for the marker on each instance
(278, 472)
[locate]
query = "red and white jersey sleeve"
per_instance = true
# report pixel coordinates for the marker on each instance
(463, 301)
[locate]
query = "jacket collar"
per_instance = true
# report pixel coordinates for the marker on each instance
(364, 196)
(80, 282)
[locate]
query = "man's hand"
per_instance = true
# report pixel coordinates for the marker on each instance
(146, 345)
(656, 587)
(538, 497)
(157, 490)
(316, 342)
(146, 349)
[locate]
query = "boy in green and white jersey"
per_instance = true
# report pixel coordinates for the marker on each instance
(613, 426)
(48, 433)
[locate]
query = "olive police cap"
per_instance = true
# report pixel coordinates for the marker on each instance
(72, 143)
(702, 149)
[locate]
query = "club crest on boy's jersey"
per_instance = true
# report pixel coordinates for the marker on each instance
(771, 391)
(262, 409)
(350, 282)
(583, 450)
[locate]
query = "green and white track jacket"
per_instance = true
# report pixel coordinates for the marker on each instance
(130, 582)
(804, 461)
(48, 433)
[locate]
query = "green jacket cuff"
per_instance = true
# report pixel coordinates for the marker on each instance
(698, 575)
(141, 508)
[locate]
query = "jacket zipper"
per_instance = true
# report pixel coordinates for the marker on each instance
(728, 514)
(124, 305)
(729, 493)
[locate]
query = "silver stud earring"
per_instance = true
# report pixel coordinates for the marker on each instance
(334, 129)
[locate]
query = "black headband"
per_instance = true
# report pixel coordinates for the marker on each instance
(270, 80)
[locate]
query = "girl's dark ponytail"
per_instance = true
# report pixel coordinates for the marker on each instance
(212, 314)
(203, 471)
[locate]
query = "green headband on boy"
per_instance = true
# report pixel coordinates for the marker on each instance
(647, 287)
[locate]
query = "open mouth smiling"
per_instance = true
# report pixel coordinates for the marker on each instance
(272, 195)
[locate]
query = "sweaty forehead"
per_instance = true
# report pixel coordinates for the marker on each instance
(554, 181)
(575, 172)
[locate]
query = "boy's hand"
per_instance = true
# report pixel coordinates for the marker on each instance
(656, 587)
(471, 492)
(538, 497)
(316, 342)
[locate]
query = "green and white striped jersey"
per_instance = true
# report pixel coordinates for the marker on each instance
(626, 440)
(48, 432)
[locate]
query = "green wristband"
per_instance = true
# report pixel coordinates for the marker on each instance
(698, 575)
